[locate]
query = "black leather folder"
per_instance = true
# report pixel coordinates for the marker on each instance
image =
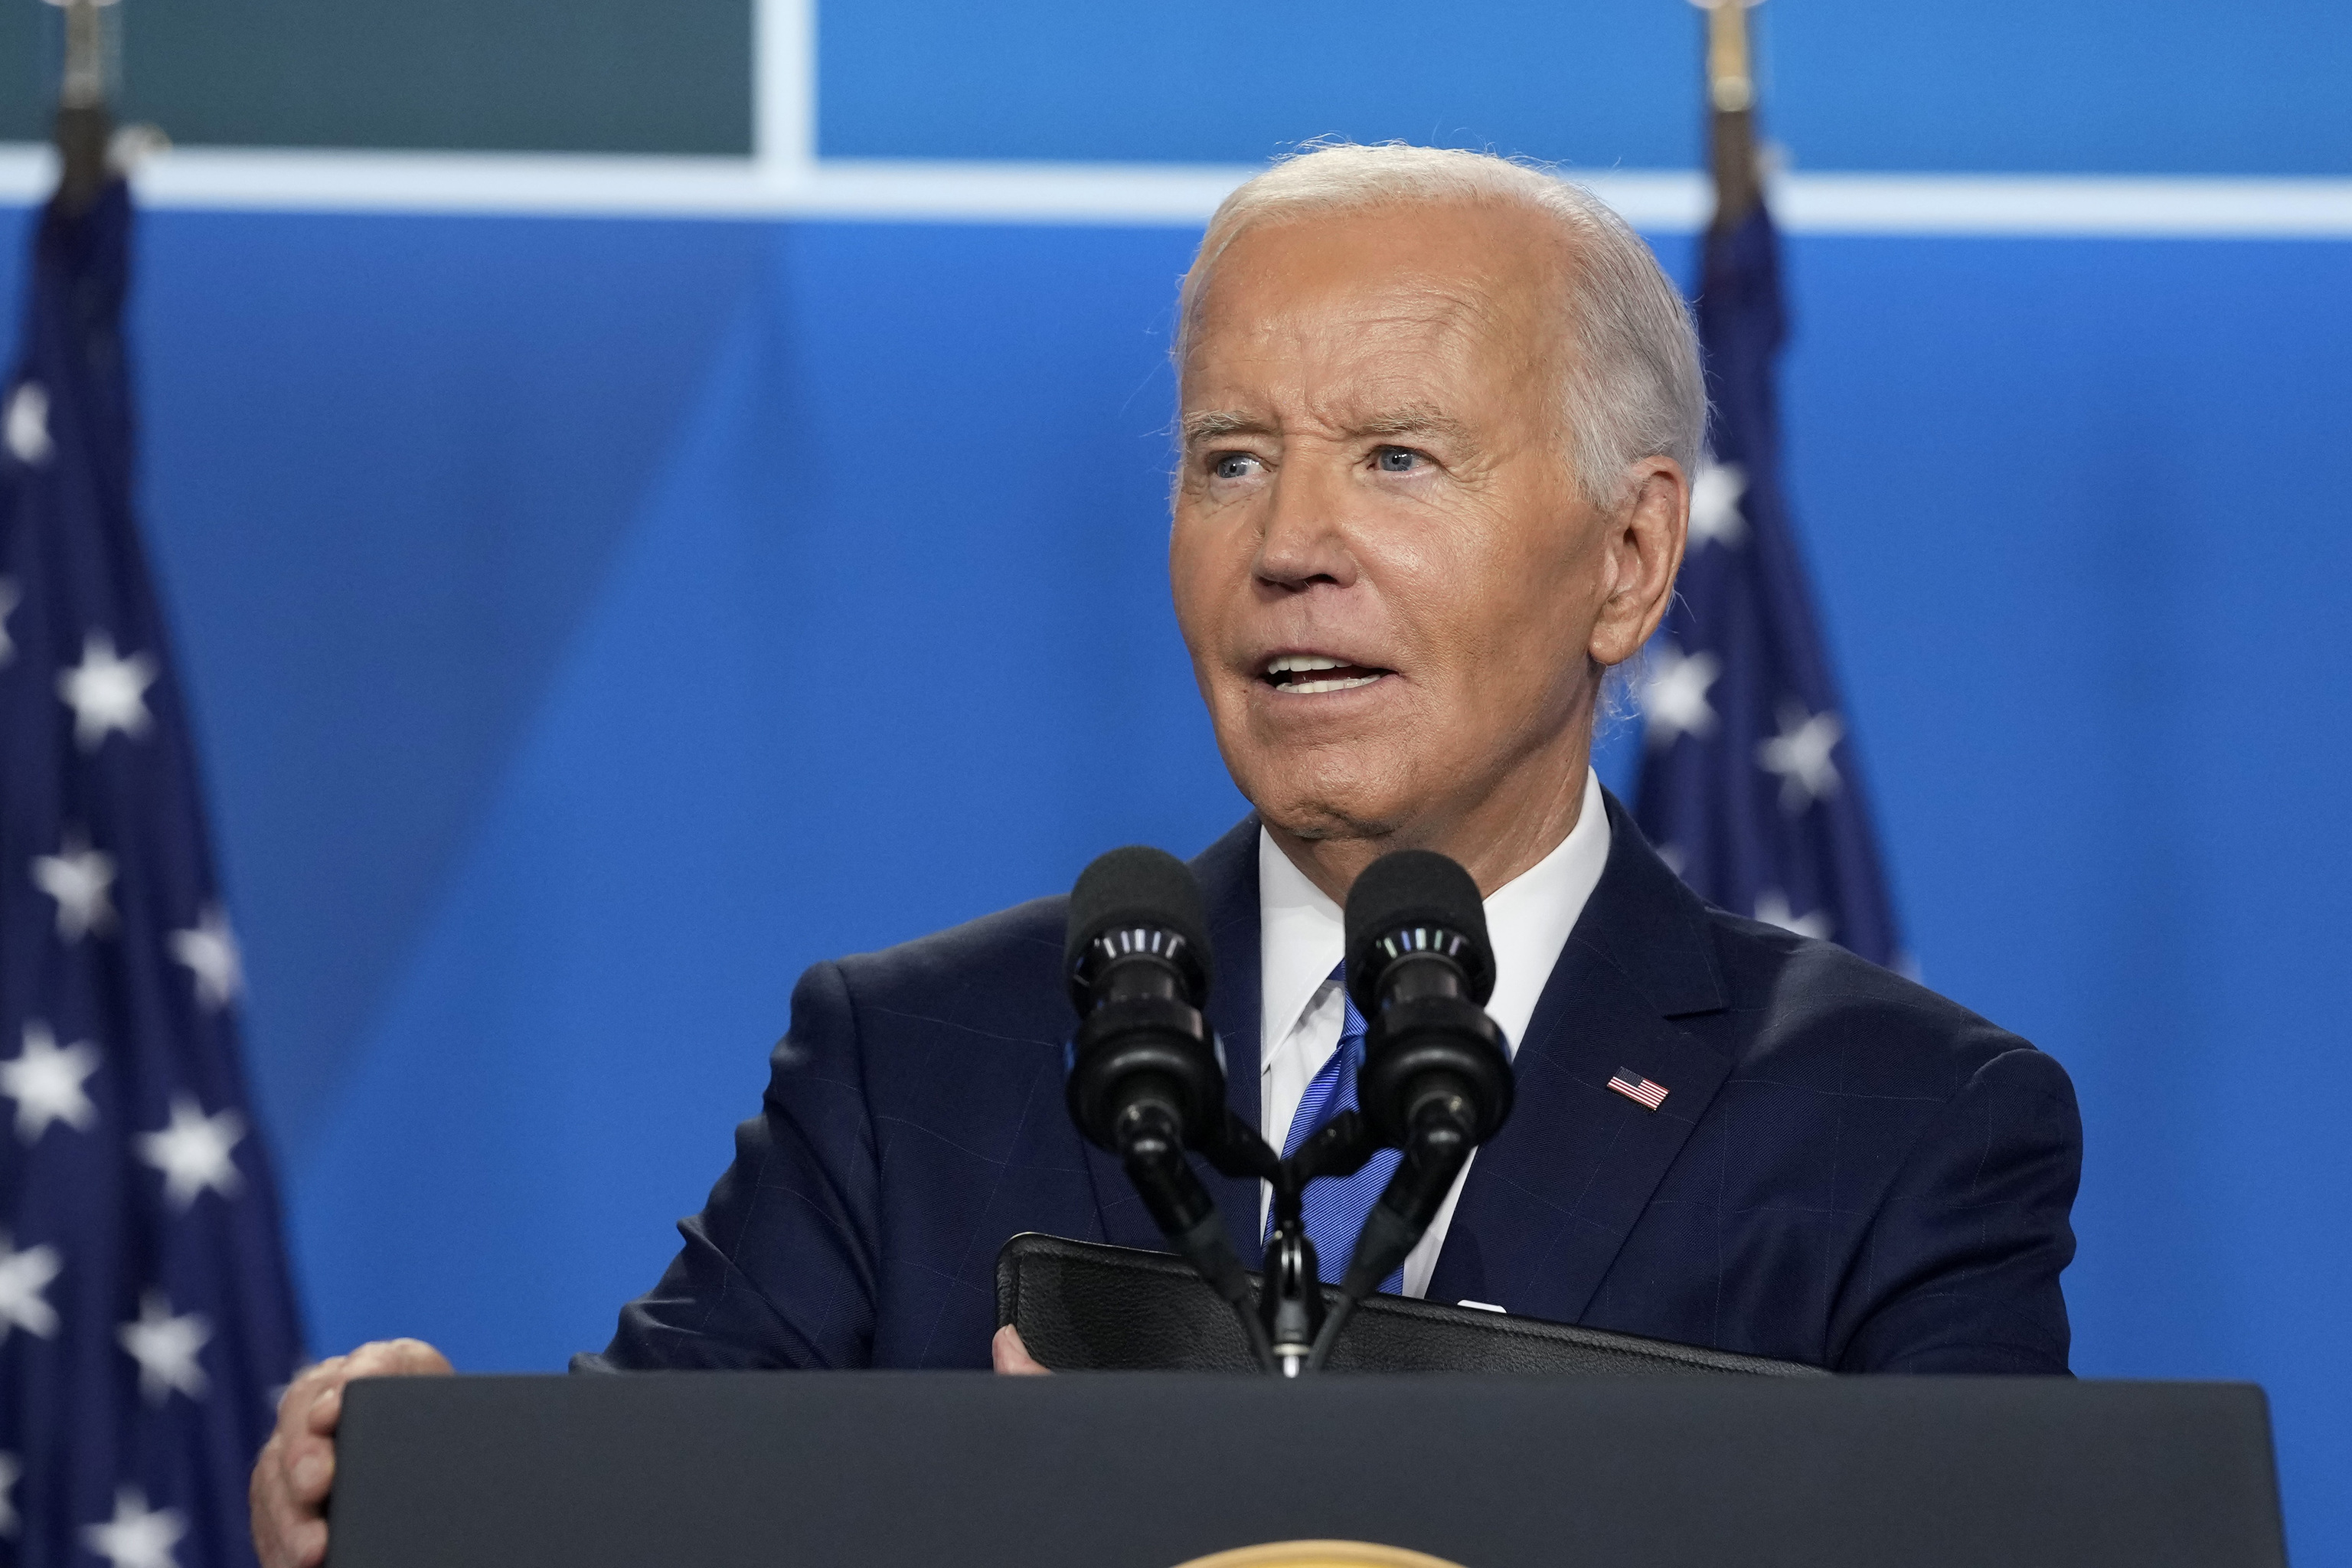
(1083, 1306)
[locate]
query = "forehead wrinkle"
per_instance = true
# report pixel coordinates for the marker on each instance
(1451, 316)
(1437, 312)
(1411, 300)
(1455, 319)
(1308, 361)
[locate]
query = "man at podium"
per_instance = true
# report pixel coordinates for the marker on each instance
(1438, 418)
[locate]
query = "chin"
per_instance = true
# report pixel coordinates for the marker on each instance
(1320, 806)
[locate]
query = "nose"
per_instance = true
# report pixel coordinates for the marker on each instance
(1303, 540)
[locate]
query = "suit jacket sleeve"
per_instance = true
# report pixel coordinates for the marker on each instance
(778, 1270)
(1958, 1272)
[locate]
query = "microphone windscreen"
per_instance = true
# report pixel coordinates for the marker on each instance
(1415, 889)
(1137, 886)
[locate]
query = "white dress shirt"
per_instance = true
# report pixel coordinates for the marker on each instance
(1302, 939)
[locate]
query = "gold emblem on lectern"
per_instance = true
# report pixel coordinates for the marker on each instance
(1319, 1554)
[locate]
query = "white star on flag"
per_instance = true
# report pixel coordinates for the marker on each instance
(193, 1152)
(10, 598)
(12, 1470)
(1674, 693)
(209, 950)
(134, 1536)
(105, 693)
(166, 1348)
(23, 1277)
(1714, 514)
(78, 877)
(45, 1083)
(1772, 908)
(29, 424)
(1800, 755)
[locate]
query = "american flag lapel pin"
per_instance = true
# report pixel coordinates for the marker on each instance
(1640, 1091)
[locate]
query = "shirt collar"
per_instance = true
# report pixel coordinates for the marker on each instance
(1529, 917)
(1303, 937)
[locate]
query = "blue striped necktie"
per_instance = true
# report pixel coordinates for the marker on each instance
(1336, 1205)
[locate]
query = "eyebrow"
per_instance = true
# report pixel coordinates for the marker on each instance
(1413, 419)
(1212, 424)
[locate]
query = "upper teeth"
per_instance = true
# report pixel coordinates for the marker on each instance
(1298, 665)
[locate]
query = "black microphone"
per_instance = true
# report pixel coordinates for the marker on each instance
(1147, 1079)
(1136, 961)
(1436, 1079)
(1420, 969)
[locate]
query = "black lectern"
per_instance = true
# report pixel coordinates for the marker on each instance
(1154, 1469)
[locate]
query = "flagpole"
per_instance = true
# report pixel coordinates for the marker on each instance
(83, 125)
(1731, 113)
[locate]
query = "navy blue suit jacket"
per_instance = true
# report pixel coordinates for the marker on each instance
(1847, 1169)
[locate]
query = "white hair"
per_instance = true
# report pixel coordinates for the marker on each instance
(1634, 390)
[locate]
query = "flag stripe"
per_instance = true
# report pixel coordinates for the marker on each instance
(1639, 1089)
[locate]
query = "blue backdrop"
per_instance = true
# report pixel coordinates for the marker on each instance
(2062, 86)
(590, 622)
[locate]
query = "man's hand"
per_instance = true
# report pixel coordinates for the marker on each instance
(1011, 1355)
(297, 1468)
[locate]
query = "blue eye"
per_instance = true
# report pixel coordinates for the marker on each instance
(1232, 465)
(1398, 459)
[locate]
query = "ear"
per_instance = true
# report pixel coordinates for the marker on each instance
(1641, 550)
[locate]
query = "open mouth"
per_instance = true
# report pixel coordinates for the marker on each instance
(1306, 674)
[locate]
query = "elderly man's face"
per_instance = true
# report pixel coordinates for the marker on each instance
(1387, 576)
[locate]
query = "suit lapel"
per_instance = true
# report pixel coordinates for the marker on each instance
(1551, 1198)
(1227, 873)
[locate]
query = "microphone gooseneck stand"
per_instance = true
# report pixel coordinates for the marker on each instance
(1151, 1151)
(1147, 1079)
(1397, 1221)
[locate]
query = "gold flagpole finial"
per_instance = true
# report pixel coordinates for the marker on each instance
(1731, 110)
(1730, 86)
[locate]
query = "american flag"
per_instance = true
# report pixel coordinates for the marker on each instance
(145, 1308)
(1749, 786)
(1640, 1091)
